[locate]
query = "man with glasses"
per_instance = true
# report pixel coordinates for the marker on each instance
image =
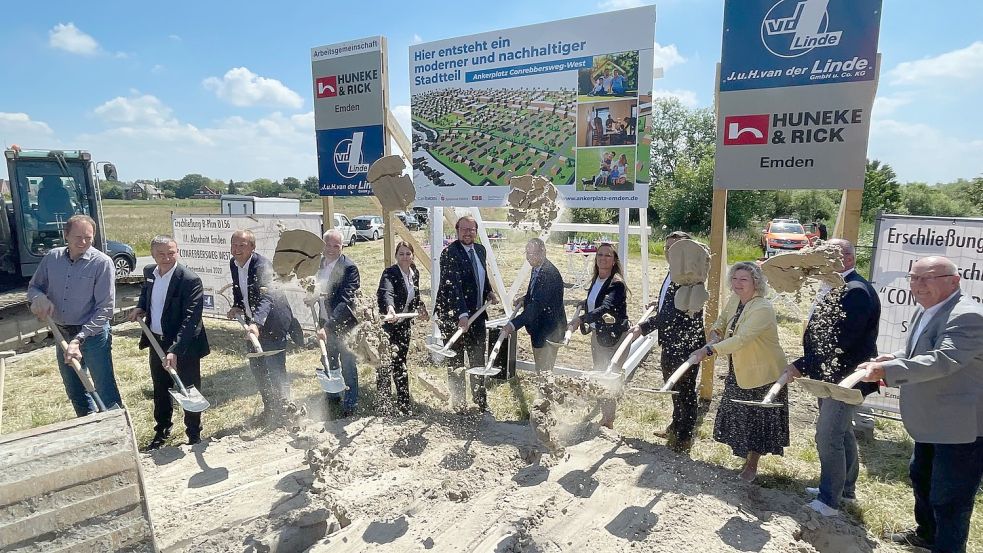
(940, 373)
(464, 288)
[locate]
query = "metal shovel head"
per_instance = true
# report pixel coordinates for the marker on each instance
(820, 389)
(484, 371)
(608, 379)
(768, 404)
(653, 391)
(332, 384)
(439, 350)
(194, 402)
(262, 353)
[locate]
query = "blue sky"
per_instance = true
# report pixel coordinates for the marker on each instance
(223, 88)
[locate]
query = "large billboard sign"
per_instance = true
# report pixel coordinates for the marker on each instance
(796, 86)
(570, 100)
(349, 113)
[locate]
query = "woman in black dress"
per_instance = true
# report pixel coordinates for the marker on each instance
(747, 332)
(399, 292)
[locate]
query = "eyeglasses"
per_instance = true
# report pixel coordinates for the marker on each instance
(915, 279)
(468, 229)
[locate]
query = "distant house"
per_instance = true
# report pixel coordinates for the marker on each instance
(142, 191)
(206, 193)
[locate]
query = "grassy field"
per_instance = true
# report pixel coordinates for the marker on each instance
(34, 394)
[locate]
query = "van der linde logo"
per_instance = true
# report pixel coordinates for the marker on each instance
(348, 154)
(792, 28)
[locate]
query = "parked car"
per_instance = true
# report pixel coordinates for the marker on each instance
(408, 219)
(347, 229)
(369, 227)
(124, 260)
(783, 234)
(422, 214)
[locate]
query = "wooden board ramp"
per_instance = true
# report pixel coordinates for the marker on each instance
(74, 486)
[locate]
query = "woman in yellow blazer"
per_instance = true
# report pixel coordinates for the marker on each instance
(747, 332)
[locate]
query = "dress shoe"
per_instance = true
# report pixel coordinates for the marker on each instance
(680, 446)
(822, 508)
(194, 440)
(909, 537)
(158, 440)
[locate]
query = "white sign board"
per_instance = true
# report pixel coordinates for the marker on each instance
(204, 243)
(569, 100)
(899, 241)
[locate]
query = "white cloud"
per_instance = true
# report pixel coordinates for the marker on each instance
(175, 38)
(70, 38)
(19, 128)
(241, 87)
(135, 110)
(667, 56)
(887, 105)
(611, 5)
(686, 97)
(907, 146)
(965, 63)
(157, 69)
(417, 39)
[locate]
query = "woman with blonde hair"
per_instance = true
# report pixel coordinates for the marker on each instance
(605, 316)
(747, 333)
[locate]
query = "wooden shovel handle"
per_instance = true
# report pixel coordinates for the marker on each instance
(853, 379)
(678, 373)
(249, 335)
(775, 388)
(82, 374)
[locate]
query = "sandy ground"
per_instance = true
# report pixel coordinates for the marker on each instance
(444, 483)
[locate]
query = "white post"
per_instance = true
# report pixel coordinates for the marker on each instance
(436, 246)
(623, 238)
(491, 263)
(643, 223)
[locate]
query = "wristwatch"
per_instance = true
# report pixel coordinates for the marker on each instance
(80, 338)
(709, 350)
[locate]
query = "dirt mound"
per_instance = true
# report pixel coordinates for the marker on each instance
(445, 483)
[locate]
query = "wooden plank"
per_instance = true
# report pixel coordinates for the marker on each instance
(67, 516)
(113, 540)
(62, 425)
(66, 476)
(718, 264)
(848, 218)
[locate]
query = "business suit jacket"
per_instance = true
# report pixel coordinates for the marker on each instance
(268, 303)
(842, 333)
(338, 305)
(754, 348)
(941, 375)
(392, 292)
(458, 291)
(180, 322)
(611, 299)
(679, 333)
(542, 313)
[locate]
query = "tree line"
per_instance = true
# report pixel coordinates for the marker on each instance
(190, 184)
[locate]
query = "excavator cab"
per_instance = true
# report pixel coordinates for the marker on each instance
(47, 188)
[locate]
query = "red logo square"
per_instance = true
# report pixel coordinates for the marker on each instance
(327, 87)
(741, 130)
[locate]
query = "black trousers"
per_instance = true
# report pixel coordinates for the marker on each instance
(684, 404)
(189, 369)
(395, 373)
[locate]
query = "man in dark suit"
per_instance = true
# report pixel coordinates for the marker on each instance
(337, 281)
(464, 288)
(679, 335)
(840, 334)
(542, 314)
(940, 373)
(257, 298)
(171, 306)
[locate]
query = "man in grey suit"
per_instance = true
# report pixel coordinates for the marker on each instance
(940, 373)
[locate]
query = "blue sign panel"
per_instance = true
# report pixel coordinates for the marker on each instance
(779, 43)
(344, 157)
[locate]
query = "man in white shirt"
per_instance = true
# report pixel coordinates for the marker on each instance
(940, 373)
(338, 281)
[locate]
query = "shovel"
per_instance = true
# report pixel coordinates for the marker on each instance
(769, 400)
(487, 370)
(844, 391)
(399, 317)
(331, 381)
(83, 374)
(667, 387)
(568, 333)
(446, 349)
(609, 376)
(255, 342)
(190, 399)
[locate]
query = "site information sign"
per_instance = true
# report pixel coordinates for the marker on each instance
(569, 100)
(797, 83)
(349, 113)
(205, 247)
